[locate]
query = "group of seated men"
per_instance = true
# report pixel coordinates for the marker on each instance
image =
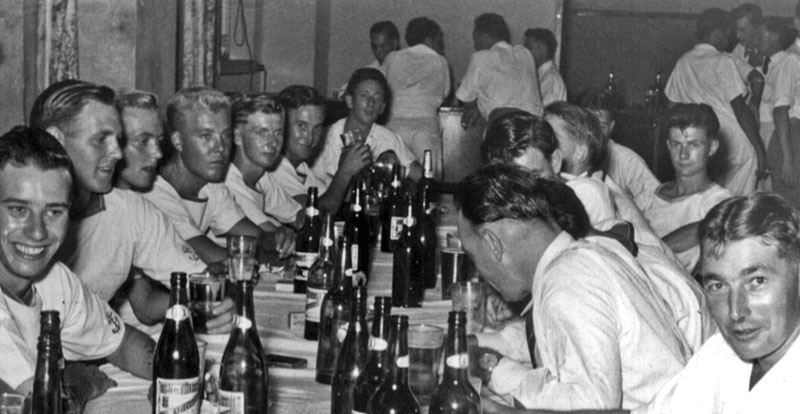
(100, 200)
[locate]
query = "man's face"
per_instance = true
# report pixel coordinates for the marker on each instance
(261, 138)
(769, 43)
(382, 45)
(606, 121)
(143, 135)
(206, 144)
(746, 33)
(34, 207)
(367, 102)
(534, 160)
(481, 41)
(538, 50)
(753, 296)
(569, 147)
(305, 132)
(91, 141)
(690, 150)
(438, 43)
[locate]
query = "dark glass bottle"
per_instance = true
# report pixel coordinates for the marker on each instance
(243, 375)
(375, 371)
(47, 391)
(391, 214)
(426, 211)
(356, 228)
(455, 394)
(407, 283)
(320, 279)
(176, 363)
(353, 356)
(394, 396)
(307, 241)
(335, 313)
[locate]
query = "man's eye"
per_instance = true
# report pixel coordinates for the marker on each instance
(56, 213)
(758, 280)
(713, 286)
(16, 211)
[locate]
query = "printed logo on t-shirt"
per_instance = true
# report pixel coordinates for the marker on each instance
(113, 320)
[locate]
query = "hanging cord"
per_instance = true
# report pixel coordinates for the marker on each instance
(241, 38)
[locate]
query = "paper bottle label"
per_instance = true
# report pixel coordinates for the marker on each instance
(458, 361)
(178, 396)
(304, 260)
(311, 212)
(354, 255)
(402, 362)
(314, 298)
(178, 313)
(233, 400)
(396, 227)
(377, 344)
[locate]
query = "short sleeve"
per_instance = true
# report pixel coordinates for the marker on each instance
(787, 82)
(385, 140)
(327, 162)
(163, 197)
(224, 211)
(277, 202)
(729, 79)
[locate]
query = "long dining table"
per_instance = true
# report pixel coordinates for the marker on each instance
(279, 323)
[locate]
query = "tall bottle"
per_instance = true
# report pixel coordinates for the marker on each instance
(307, 242)
(176, 363)
(47, 379)
(375, 371)
(357, 229)
(455, 394)
(426, 212)
(407, 284)
(394, 395)
(335, 313)
(391, 214)
(320, 278)
(243, 375)
(353, 356)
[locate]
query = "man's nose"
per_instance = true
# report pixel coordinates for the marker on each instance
(739, 306)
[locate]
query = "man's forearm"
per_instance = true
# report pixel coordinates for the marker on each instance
(208, 251)
(332, 199)
(135, 353)
(747, 122)
(149, 300)
(683, 238)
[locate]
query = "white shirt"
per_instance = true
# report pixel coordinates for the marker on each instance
(380, 140)
(630, 172)
(214, 210)
(502, 76)
(126, 230)
(551, 83)
(277, 201)
(594, 196)
(717, 381)
(603, 337)
(293, 181)
(419, 79)
(743, 65)
(90, 329)
(795, 47)
(249, 199)
(781, 86)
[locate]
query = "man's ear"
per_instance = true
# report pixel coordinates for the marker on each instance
(237, 137)
(581, 154)
(348, 100)
(556, 160)
(713, 146)
(493, 243)
(611, 127)
(56, 132)
(175, 139)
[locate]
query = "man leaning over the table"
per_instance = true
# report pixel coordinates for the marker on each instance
(35, 197)
(750, 267)
(600, 339)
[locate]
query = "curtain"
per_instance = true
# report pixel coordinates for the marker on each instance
(196, 39)
(57, 42)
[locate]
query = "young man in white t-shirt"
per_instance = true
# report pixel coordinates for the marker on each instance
(35, 197)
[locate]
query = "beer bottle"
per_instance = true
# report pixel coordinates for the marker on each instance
(407, 286)
(455, 394)
(357, 229)
(307, 241)
(426, 207)
(47, 391)
(375, 371)
(391, 214)
(320, 278)
(335, 313)
(243, 376)
(353, 356)
(176, 363)
(394, 395)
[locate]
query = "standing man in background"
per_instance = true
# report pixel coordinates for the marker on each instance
(543, 45)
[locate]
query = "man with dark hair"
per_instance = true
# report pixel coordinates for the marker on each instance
(419, 78)
(384, 38)
(35, 197)
(748, 18)
(499, 75)
(543, 45)
(603, 339)
(795, 47)
(706, 74)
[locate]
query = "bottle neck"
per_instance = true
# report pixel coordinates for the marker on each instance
(427, 165)
(245, 306)
(326, 242)
(177, 291)
(456, 367)
(398, 372)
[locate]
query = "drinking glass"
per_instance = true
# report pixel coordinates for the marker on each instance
(425, 357)
(11, 403)
(206, 292)
(241, 257)
(470, 297)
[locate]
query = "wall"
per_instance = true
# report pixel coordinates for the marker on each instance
(107, 41)
(773, 7)
(11, 64)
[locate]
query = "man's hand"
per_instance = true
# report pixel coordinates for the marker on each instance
(497, 310)
(218, 268)
(354, 158)
(764, 169)
(285, 240)
(787, 174)
(86, 382)
(222, 322)
(470, 116)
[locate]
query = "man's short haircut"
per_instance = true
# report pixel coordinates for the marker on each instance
(493, 25)
(764, 215)
(700, 116)
(595, 99)
(245, 105)
(386, 27)
(751, 11)
(786, 34)
(545, 37)
(133, 98)
(420, 29)
(24, 146)
(365, 74)
(502, 191)
(193, 99)
(508, 136)
(711, 20)
(583, 127)
(797, 10)
(59, 104)
(296, 96)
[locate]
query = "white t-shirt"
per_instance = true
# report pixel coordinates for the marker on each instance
(380, 140)
(249, 199)
(594, 196)
(419, 79)
(277, 201)
(90, 329)
(717, 381)
(551, 83)
(781, 86)
(293, 181)
(125, 230)
(502, 76)
(630, 172)
(214, 210)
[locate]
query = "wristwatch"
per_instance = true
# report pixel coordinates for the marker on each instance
(487, 363)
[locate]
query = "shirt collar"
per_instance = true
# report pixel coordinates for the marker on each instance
(501, 45)
(545, 67)
(705, 46)
(422, 48)
(777, 57)
(558, 245)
